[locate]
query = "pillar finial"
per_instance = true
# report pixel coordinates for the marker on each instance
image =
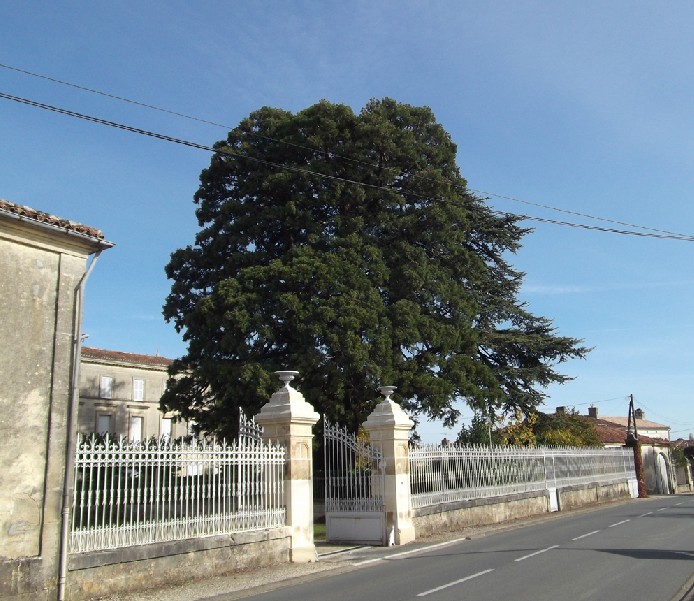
(386, 391)
(286, 376)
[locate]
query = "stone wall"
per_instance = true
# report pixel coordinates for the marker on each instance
(101, 573)
(575, 497)
(451, 517)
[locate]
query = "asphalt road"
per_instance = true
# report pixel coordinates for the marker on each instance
(637, 551)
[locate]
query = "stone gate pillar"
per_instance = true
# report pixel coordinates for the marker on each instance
(389, 430)
(288, 419)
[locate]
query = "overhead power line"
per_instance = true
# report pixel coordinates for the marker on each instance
(645, 234)
(227, 151)
(663, 233)
(570, 212)
(167, 138)
(112, 96)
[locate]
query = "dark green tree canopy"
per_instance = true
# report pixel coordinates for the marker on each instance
(346, 246)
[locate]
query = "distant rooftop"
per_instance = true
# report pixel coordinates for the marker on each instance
(641, 424)
(121, 357)
(610, 432)
(28, 214)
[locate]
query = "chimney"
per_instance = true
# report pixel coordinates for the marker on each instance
(639, 414)
(560, 410)
(593, 412)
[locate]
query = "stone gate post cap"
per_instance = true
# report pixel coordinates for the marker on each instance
(287, 404)
(388, 414)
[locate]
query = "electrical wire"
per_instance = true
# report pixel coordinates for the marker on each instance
(645, 234)
(662, 233)
(576, 213)
(167, 138)
(113, 96)
(227, 151)
(167, 111)
(647, 231)
(593, 402)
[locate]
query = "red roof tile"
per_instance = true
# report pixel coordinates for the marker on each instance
(121, 357)
(48, 219)
(611, 433)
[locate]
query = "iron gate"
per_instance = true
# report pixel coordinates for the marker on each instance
(354, 488)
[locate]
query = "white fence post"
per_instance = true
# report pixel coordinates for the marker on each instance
(288, 419)
(389, 430)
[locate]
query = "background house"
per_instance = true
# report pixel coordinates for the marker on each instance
(119, 395)
(659, 473)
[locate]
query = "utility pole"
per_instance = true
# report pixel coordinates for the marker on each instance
(633, 442)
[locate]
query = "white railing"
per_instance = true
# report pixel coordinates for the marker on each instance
(445, 474)
(567, 466)
(354, 472)
(248, 429)
(138, 493)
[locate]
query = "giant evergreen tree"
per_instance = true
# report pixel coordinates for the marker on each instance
(347, 246)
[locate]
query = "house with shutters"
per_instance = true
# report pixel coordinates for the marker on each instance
(119, 394)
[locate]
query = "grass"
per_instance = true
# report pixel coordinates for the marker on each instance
(318, 531)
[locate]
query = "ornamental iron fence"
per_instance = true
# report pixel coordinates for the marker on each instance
(445, 474)
(135, 493)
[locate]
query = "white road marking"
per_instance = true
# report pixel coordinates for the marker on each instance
(536, 553)
(367, 561)
(443, 586)
(643, 515)
(618, 523)
(584, 535)
(662, 509)
(404, 553)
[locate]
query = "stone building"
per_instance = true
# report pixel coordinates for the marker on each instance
(44, 266)
(119, 395)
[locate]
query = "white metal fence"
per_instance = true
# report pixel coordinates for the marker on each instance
(444, 474)
(138, 493)
(354, 472)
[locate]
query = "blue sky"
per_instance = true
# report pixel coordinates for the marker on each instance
(585, 106)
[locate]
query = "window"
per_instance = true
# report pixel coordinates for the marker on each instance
(106, 389)
(103, 423)
(136, 428)
(138, 390)
(165, 428)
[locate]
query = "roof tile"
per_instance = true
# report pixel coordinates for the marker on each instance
(121, 357)
(41, 217)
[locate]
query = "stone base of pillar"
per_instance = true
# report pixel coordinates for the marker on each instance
(306, 554)
(404, 535)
